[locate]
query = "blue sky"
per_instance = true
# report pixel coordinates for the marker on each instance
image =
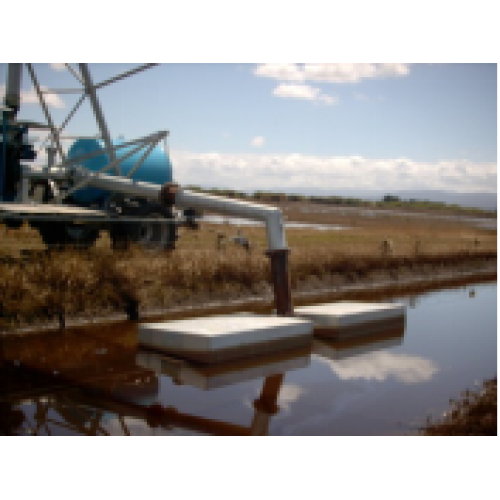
(283, 127)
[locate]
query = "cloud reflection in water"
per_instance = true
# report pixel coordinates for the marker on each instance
(382, 364)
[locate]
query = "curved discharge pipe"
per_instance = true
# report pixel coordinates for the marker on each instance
(271, 216)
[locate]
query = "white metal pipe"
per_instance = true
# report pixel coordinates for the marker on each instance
(271, 216)
(109, 166)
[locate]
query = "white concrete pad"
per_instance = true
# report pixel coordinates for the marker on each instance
(348, 314)
(222, 374)
(214, 338)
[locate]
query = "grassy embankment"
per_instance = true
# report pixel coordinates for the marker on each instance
(474, 414)
(47, 286)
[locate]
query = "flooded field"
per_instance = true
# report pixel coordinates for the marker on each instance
(238, 221)
(96, 381)
(318, 211)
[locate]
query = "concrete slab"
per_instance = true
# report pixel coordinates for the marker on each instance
(218, 375)
(345, 319)
(215, 339)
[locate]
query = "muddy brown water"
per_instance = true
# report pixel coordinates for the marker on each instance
(94, 380)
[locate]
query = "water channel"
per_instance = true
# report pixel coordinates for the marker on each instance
(95, 380)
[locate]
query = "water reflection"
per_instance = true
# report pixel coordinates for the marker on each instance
(381, 365)
(365, 355)
(76, 384)
(238, 221)
(96, 382)
(213, 376)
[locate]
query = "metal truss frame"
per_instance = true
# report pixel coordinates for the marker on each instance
(89, 90)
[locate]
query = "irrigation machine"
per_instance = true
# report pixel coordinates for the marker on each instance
(124, 187)
(66, 200)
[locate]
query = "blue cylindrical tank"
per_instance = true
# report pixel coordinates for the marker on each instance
(156, 168)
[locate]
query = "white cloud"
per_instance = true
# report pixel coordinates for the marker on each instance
(331, 72)
(30, 97)
(288, 394)
(303, 92)
(297, 91)
(380, 365)
(258, 142)
(58, 66)
(285, 71)
(291, 171)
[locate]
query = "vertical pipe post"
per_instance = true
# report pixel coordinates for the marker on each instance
(51, 156)
(24, 191)
(3, 163)
(280, 274)
(278, 250)
(266, 405)
(12, 97)
(12, 101)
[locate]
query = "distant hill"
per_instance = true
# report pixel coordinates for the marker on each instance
(485, 201)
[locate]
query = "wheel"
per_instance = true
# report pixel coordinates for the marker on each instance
(63, 234)
(13, 223)
(154, 235)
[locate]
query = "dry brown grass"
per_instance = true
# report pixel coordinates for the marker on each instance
(47, 286)
(474, 414)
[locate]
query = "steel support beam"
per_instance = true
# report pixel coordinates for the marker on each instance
(143, 158)
(101, 122)
(125, 75)
(48, 117)
(66, 120)
(74, 72)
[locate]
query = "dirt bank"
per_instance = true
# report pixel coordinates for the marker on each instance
(92, 292)
(473, 414)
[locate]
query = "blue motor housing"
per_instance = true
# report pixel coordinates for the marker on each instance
(156, 169)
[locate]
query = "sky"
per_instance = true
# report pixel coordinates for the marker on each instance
(292, 127)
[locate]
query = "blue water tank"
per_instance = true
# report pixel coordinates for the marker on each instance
(156, 169)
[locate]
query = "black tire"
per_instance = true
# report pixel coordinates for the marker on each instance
(152, 235)
(13, 223)
(62, 234)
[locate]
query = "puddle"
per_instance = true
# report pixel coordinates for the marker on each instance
(95, 381)
(236, 221)
(479, 222)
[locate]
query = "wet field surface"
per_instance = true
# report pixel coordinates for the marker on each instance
(368, 214)
(238, 221)
(95, 381)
